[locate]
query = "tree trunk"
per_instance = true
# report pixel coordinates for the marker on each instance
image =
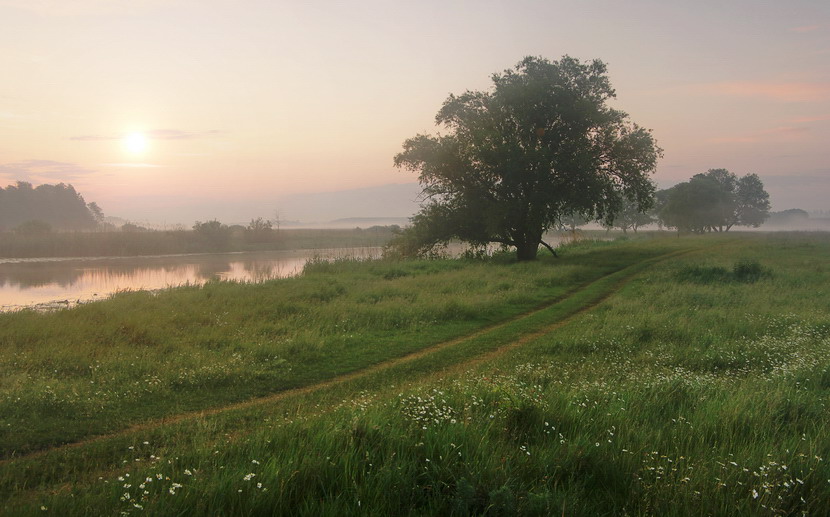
(527, 250)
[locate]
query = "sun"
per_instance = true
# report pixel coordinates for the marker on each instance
(135, 143)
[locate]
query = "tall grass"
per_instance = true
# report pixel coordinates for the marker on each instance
(673, 397)
(102, 366)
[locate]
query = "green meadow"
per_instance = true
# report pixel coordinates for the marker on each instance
(645, 376)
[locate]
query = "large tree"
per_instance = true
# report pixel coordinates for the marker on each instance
(541, 145)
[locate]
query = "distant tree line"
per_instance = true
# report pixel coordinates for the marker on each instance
(793, 216)
(714, 201)
(38, 210)
(220, 236)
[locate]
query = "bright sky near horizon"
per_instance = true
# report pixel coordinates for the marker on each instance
(170, 110)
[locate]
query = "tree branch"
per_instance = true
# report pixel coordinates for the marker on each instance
(545, 244)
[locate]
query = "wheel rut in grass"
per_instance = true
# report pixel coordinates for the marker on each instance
(618, 280)
(570, 305)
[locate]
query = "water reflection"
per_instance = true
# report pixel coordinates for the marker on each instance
(25, 276)
(31, 282)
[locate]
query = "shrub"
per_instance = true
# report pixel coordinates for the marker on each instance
(747, 271)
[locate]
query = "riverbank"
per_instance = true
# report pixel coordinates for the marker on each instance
(49, 283)
(46, 283)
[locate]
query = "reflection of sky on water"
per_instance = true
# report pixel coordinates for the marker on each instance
(31, 282)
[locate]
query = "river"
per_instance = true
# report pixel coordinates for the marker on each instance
(62, 282)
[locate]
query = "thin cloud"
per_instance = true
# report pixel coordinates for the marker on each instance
(177, 134)
(81, 7)
(44, 170)
(91, 138)
(806, 28)
(153, 134)
(133, 165)
(806, 120)
(783, 92)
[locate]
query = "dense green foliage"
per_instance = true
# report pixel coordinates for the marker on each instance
(689, 383)
(716, 200)
(58, 206)
(515, 161)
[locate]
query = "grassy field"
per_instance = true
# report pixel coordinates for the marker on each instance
(644, 377)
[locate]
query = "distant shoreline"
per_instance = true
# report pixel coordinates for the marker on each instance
(85, 245)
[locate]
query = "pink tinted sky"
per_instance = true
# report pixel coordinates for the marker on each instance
(246, 104)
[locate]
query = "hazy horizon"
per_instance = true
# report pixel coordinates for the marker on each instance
(175, 111)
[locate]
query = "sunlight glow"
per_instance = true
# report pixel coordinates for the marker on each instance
(135, 143)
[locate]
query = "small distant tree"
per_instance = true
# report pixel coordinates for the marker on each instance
(694, 206)
(572, 221)
(791, 216)
(130, 227)
(726, 207)
(260, 225)
(631, 217)
(213, 232)
(259, 230)
(716, 201)
(209, 227)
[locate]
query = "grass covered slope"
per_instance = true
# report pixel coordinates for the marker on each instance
(698, 387)
(103, 366)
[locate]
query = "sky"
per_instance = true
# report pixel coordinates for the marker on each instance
(171, 111)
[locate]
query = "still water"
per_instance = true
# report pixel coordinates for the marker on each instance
(64, 282)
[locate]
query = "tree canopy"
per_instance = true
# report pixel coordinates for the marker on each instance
(540, 146)
(715, 200)
(59, 206)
